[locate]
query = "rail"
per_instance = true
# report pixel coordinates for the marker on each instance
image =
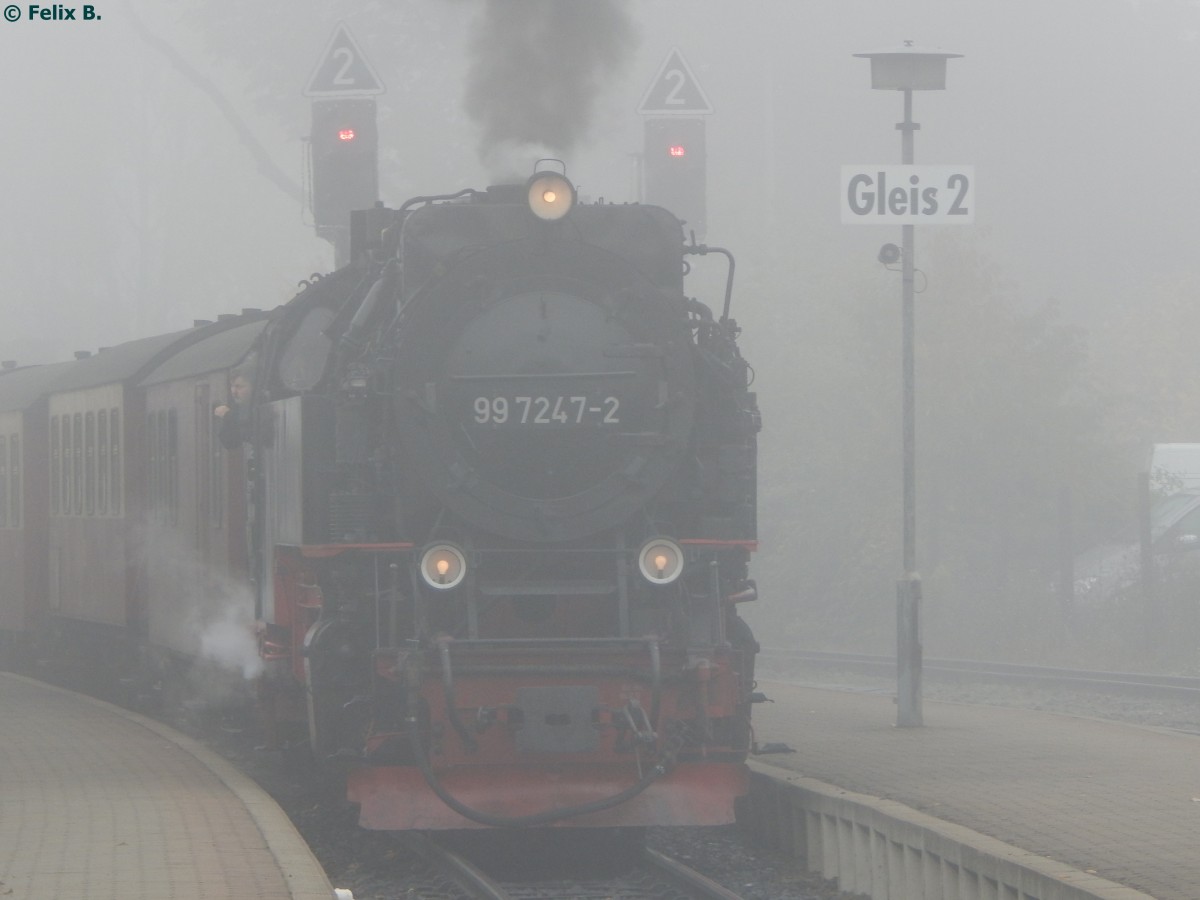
(653, 876)
(1130, 683)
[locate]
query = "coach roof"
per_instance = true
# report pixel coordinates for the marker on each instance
(121, 363)
(222, 350)
(22, 388)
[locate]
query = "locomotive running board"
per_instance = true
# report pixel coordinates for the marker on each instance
(396, 798)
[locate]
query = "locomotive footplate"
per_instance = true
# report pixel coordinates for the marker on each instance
(397, 797)
(586, 732)
(601, 700)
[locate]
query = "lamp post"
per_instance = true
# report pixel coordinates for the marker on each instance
(908, 69)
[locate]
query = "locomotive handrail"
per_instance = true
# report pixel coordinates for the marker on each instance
(555, 643)
(433, 198)
(694, 249)
(321, 551)
(583, 588)
(536, 376)
(565, 670)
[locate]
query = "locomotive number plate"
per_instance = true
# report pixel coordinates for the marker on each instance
(544, 410)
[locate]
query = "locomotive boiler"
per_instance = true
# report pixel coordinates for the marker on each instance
(503, 509)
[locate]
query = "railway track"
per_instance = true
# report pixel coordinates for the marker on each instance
(451, 875)
(1123, 683)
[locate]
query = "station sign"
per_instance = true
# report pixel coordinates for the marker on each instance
(908, 195)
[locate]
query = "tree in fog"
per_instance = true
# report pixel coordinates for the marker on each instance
(1008, 419)
(1005, 420)
(138, 178)
(415, 47)
(1146, 360)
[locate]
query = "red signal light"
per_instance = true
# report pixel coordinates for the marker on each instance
(677, 150)
(346, 134)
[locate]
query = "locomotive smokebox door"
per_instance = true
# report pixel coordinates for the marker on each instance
(557, 719)
(546, 385)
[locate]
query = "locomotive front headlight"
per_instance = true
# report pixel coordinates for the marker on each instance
(660, 560)
(551, 195)
(443, 566)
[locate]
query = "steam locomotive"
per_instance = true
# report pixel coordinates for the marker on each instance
(491, 499)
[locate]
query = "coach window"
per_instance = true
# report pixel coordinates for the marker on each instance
(102, 463)
(89, 463)
(77, 503)
(55, 465)
(3, 481)
(14, 479)
(208, 457)
(216, 481)
(154, 491)
(68, 467)
(114, 459)
(172, 461)
(72, 445)
(155, 465)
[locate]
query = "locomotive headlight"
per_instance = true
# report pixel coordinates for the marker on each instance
(551, 195)
(660, 560)
(443, 566)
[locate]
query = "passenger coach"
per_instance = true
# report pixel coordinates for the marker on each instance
(112, 490)
(24, 487)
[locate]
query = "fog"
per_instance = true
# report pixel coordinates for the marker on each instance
(154, 163)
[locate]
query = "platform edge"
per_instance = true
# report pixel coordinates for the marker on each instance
(296, 860)
(882, 848)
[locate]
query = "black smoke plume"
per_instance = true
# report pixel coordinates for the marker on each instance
(537, 67)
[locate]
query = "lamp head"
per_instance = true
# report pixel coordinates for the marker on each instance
(907, 68)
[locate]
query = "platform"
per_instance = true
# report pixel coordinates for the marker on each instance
(1120, 802)
(98, 803)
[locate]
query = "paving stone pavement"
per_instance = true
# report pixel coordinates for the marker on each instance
(1121, 801)
(97, 803)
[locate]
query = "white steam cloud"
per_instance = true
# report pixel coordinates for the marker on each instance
(195, 609)
(229, 642)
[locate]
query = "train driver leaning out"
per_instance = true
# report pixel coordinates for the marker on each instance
(234, 427)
